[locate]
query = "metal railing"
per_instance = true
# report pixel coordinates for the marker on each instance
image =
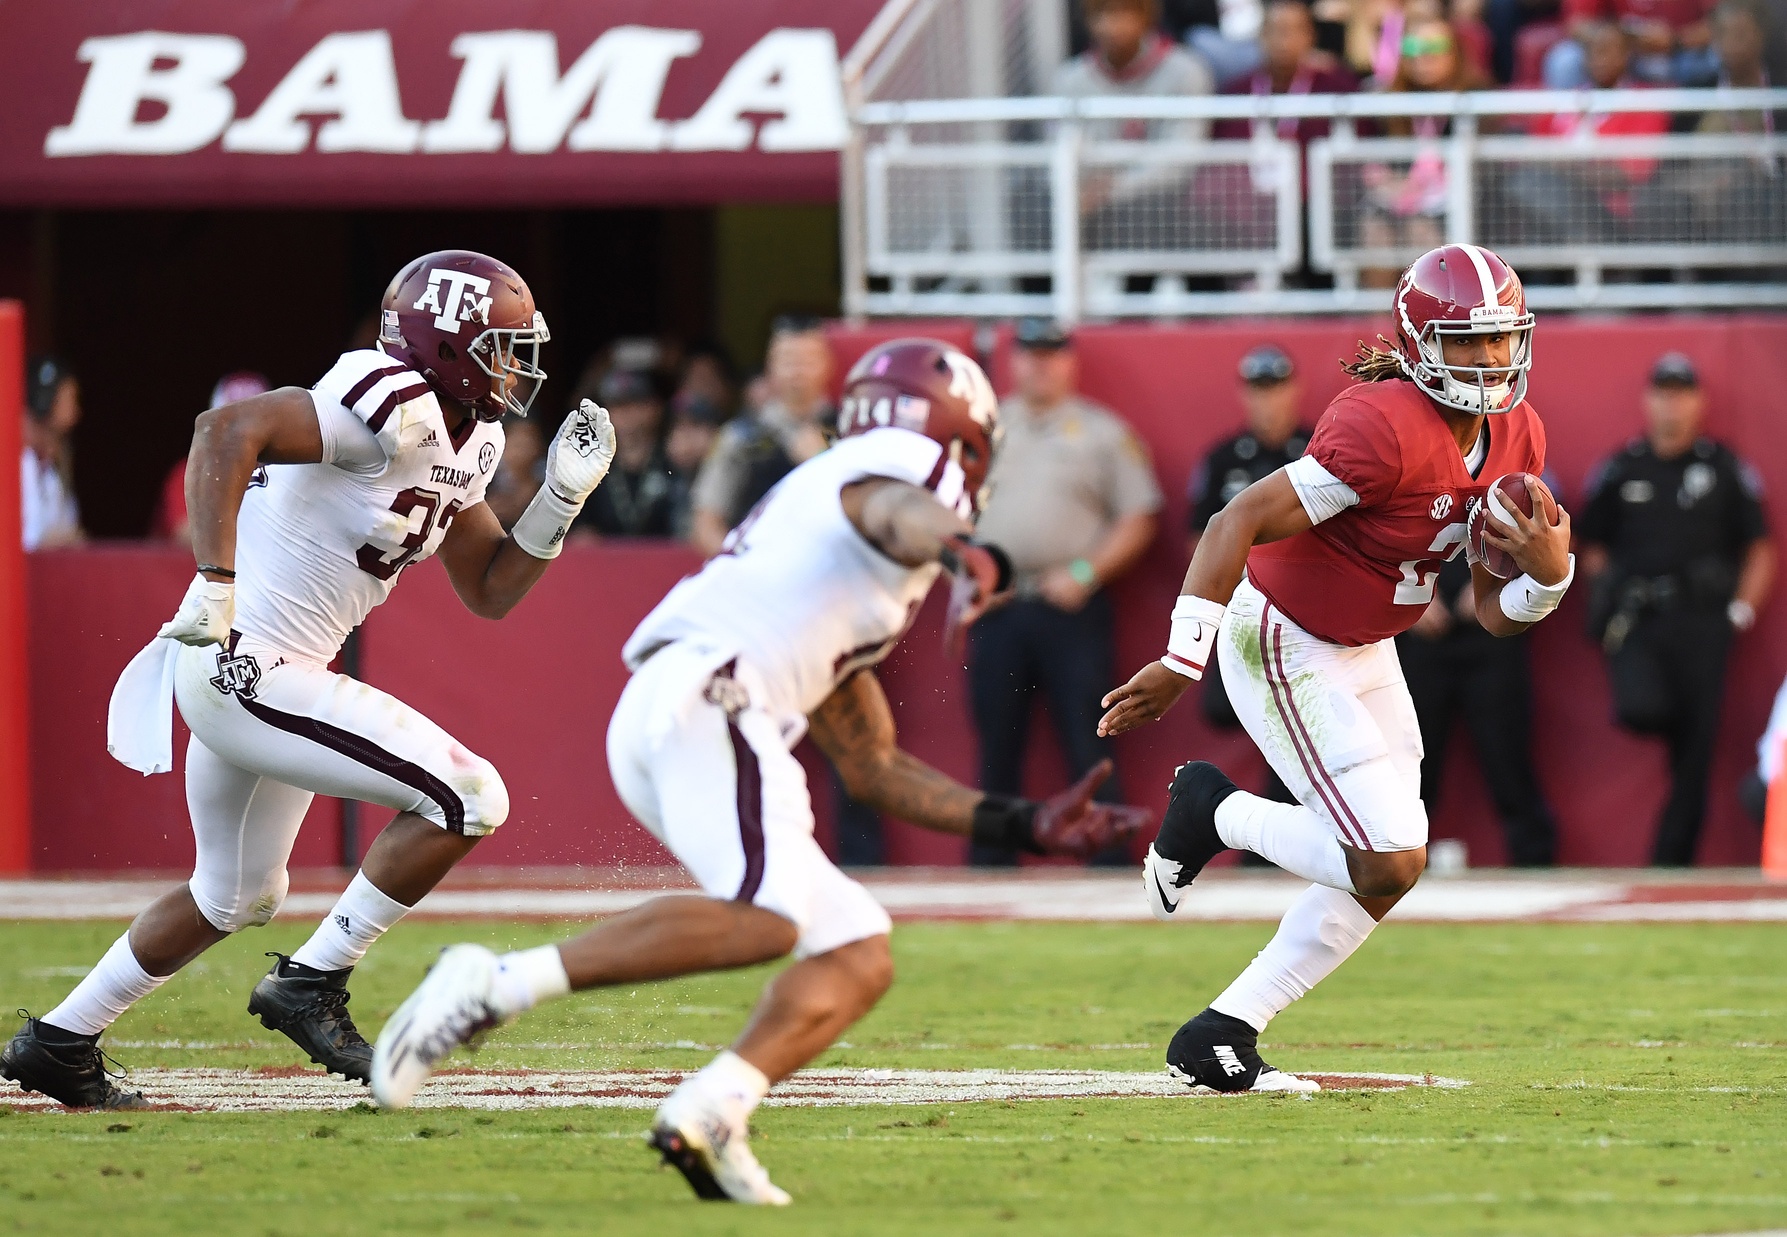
(997, 206)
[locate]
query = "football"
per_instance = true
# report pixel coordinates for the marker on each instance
(1515, 491)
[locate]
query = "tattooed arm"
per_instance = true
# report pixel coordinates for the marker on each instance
(855, 730)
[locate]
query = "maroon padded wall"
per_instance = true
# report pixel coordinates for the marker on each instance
(534, 692)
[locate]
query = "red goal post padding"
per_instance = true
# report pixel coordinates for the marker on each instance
(15, 790)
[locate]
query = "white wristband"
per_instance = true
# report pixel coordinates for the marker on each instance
(1525, 600)
(1196, 621)
(542, 527)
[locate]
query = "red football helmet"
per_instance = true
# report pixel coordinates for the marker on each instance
(928, 387)
(463, 320)
(1462, 290)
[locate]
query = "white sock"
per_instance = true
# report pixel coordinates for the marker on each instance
(1319, 932)
(117, 983)
(363, 914)
(734, 1082)
(529, 976)
(1293, 837)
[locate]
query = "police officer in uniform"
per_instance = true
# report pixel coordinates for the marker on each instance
(1072, 499)
(1679, 554)
(1275, 435)
(1454, 667)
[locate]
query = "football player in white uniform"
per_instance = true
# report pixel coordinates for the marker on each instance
(777, 636)
(306, 507)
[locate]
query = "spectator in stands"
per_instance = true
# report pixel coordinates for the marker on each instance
(1140, 206)
(1275, 435)
(636, 499)
(1671, 42)
(169, 522)
(1455, 668)
(51, 518)
(1578, 201)
(694, 428)
(521, 471)
(1404, 208)
(708, 375)
(1679, 560)
(758, 449)
(1290, 64)
(1504, 20)
(1073, 500)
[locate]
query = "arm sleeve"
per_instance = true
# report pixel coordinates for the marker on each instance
(1599, 521)
(347, 442)
(1322, 494)
(1354, 444)
(1750, 523)
(380, 391)
(1133, 487)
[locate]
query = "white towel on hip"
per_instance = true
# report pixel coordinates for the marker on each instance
(139, 724)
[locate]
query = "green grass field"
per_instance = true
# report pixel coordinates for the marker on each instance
(1626, 1079)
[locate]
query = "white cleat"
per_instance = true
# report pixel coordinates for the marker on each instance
(453, 1006)
(1160, 885)
(1269, 1080)
(711, 1152)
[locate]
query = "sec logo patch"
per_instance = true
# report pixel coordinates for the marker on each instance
(1442, 506)
(486, 457)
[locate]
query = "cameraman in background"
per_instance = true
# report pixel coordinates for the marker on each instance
(1679, 558)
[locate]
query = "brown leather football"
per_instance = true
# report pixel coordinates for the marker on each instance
(1515, 491)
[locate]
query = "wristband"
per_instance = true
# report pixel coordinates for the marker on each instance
(1083, 572)
(216, 570)
(1525, 600)
(1741, 614)
(1006, 823)
(542, 527)
(1196, 620)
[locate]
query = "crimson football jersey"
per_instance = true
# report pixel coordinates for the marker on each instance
(1367, 573)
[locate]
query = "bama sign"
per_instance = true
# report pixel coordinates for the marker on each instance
(582, 102)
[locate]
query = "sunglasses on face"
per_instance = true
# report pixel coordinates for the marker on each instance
(1435, 45)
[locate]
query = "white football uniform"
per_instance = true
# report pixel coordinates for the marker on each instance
(317, 547)
(731, 662)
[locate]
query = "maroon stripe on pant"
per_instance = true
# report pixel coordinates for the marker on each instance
(1280, 698)
(750, 811)
(364, 751)
(1343, 813)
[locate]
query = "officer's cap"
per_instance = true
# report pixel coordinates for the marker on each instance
(1266, 365)
(1042, 335)
(1674, 369)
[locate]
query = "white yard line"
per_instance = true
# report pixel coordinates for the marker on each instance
(1599, 897)
(220, 1090)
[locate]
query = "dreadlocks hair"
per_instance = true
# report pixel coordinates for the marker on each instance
(1375, 364)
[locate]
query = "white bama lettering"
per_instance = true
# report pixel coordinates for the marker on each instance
(124, 76)
(350, 77)
(792, 73)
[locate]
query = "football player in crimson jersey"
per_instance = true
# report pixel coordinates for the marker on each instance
(306, 507)
(778, 635)
(1299, 586)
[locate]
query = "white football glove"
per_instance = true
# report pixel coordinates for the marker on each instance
(581, 452)
(206, 613)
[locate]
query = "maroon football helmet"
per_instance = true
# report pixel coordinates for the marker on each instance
(926, 386)
(1463, 290)
(468, 325)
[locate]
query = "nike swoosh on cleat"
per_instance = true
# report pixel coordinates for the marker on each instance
(1170, 904)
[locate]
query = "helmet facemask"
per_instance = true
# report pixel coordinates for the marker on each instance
(511, 358)
(1469, 388)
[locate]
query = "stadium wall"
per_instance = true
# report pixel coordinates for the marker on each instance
(534, 692)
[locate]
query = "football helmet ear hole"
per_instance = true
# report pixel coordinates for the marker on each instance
(446, 353)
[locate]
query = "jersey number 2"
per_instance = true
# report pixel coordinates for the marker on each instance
(372, 559)
(1418, 574)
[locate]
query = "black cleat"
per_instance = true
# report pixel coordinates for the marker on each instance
(309, 1007)
(69, 1068)
(1187, 840)
(675, 1148)
(1215, 1052)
